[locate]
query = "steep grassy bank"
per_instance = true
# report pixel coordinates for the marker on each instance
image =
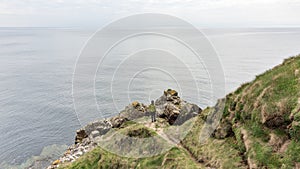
(260, 124)
(260, 128)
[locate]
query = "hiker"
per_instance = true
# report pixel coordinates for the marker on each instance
(152, 111)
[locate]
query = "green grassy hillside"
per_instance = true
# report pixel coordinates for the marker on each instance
(260, 124)
(260, 128)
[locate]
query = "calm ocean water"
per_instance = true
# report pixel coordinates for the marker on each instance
(37, 116)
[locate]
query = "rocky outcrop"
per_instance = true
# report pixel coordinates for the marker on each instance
(117, 121)
(169, 106)
(133, 111)
(80, 135)
(175, 110)
(102, 126)
(170, 112)
(85, 140)
(259, 126)
(74, 152)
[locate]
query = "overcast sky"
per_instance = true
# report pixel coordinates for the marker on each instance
(204, 13)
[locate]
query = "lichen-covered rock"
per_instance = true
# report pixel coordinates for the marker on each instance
(95, 134)
(133, 111)
(75, 151)
(187, 111)
(135, 104)
(80, 135)
(171, 112)
(175, 110)
(56, 162)
(168, 96)
(117, 121)
(170, 92)
(103, 126)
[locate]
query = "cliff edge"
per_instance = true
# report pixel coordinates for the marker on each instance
(259, 128)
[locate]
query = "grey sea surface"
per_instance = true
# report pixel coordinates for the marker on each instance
(37, 116)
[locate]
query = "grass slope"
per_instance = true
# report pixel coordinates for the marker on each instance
(176, 157)
(260, 128)
(260, 124)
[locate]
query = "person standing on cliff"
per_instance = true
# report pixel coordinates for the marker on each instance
(152, 111)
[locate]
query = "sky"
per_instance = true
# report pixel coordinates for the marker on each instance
(203, 13)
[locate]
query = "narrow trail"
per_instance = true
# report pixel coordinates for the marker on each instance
(172, 141)
(161, 133)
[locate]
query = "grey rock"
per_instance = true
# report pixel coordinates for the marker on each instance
(133, 111)
(95, 133)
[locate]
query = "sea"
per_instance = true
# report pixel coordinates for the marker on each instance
(38, 116)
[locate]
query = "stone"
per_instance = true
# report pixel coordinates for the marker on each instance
(171, 112)
(78, 154)
(56, 162)
(101, 125)
(95, 133)
(175, 110)
(171, 92)
(187, 111)
(296, 72)
(130, 112)
(68, 152)
(96, 139)
(135, 104)
(103, 130)
(80, 135)
(117, 121)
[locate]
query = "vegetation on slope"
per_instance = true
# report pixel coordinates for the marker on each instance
(260, 128)
(99, 158)
(266, 109)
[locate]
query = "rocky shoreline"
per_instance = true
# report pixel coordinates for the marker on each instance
(169, 107)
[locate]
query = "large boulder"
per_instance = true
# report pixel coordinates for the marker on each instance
(171, 112)
(100, 126)
(133, 111)
(80, 135)
(168, 96)
(187, 111)
(103, 126)
(175, 110)
(117, 121)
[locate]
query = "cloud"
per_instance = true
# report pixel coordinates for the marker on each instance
(65, 11)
